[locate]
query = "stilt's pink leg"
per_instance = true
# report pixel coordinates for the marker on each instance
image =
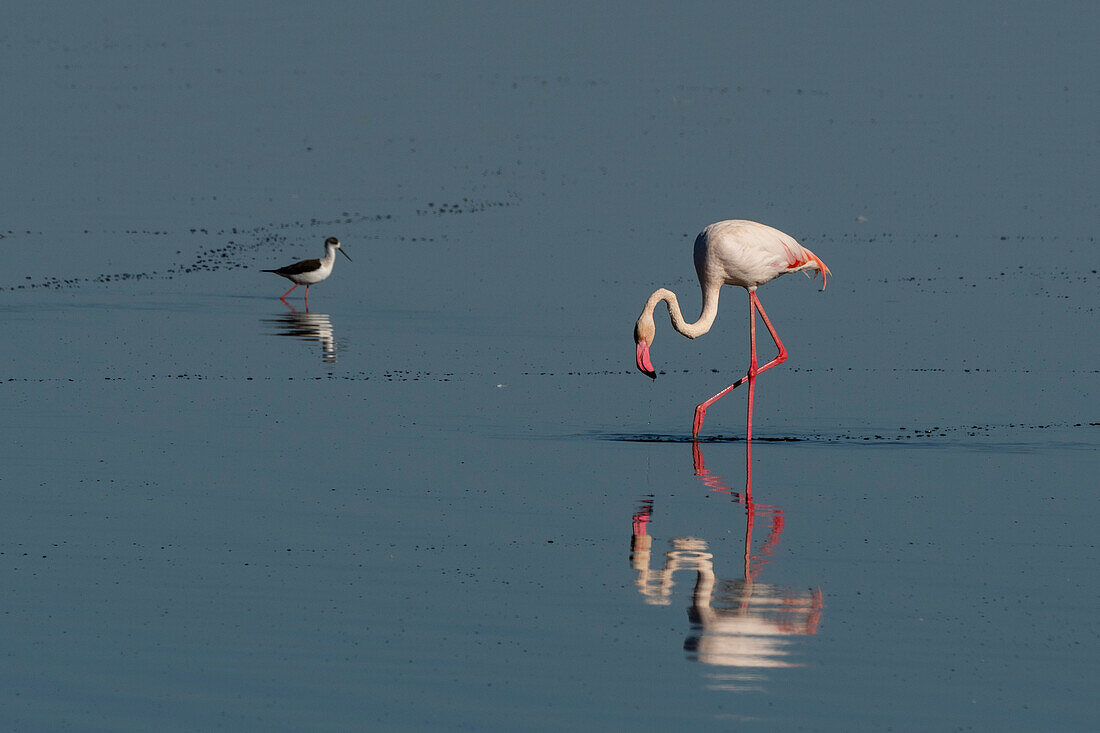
(307, 296)
(701, 410)
(281, 297)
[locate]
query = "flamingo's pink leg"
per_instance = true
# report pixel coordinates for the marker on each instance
(281, 297)
(753, 371)
(782, 356)
(701, 410)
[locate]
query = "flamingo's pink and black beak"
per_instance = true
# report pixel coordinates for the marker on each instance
(645, 366)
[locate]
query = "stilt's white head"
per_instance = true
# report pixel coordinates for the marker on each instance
(335, 243)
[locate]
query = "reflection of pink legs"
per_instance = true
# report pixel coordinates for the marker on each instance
(697, 461)
(714, 481)
(640, 542)
(814, 617)
(701, 410)
(753, 563)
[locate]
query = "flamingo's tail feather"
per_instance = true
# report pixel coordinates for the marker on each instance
(821, 267)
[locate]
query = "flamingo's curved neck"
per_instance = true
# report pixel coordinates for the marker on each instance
(706, 317)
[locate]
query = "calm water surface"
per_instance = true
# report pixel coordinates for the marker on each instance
(441, 497)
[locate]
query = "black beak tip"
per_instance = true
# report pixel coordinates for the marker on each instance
(651, 375)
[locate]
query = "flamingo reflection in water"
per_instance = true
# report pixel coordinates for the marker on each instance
(741, 623)
(307, 326)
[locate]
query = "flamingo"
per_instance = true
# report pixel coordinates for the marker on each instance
(732, 252)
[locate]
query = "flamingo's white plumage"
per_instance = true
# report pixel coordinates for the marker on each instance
(732, 252)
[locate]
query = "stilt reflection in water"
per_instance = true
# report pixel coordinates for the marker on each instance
(741, 625)
(307, 327)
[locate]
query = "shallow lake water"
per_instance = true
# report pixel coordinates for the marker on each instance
(440, 496)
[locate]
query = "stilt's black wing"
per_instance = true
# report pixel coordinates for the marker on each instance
(297, 268)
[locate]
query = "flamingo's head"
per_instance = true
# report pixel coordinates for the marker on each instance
(644, 331)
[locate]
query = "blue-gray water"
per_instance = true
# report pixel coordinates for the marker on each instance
(444, 498)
